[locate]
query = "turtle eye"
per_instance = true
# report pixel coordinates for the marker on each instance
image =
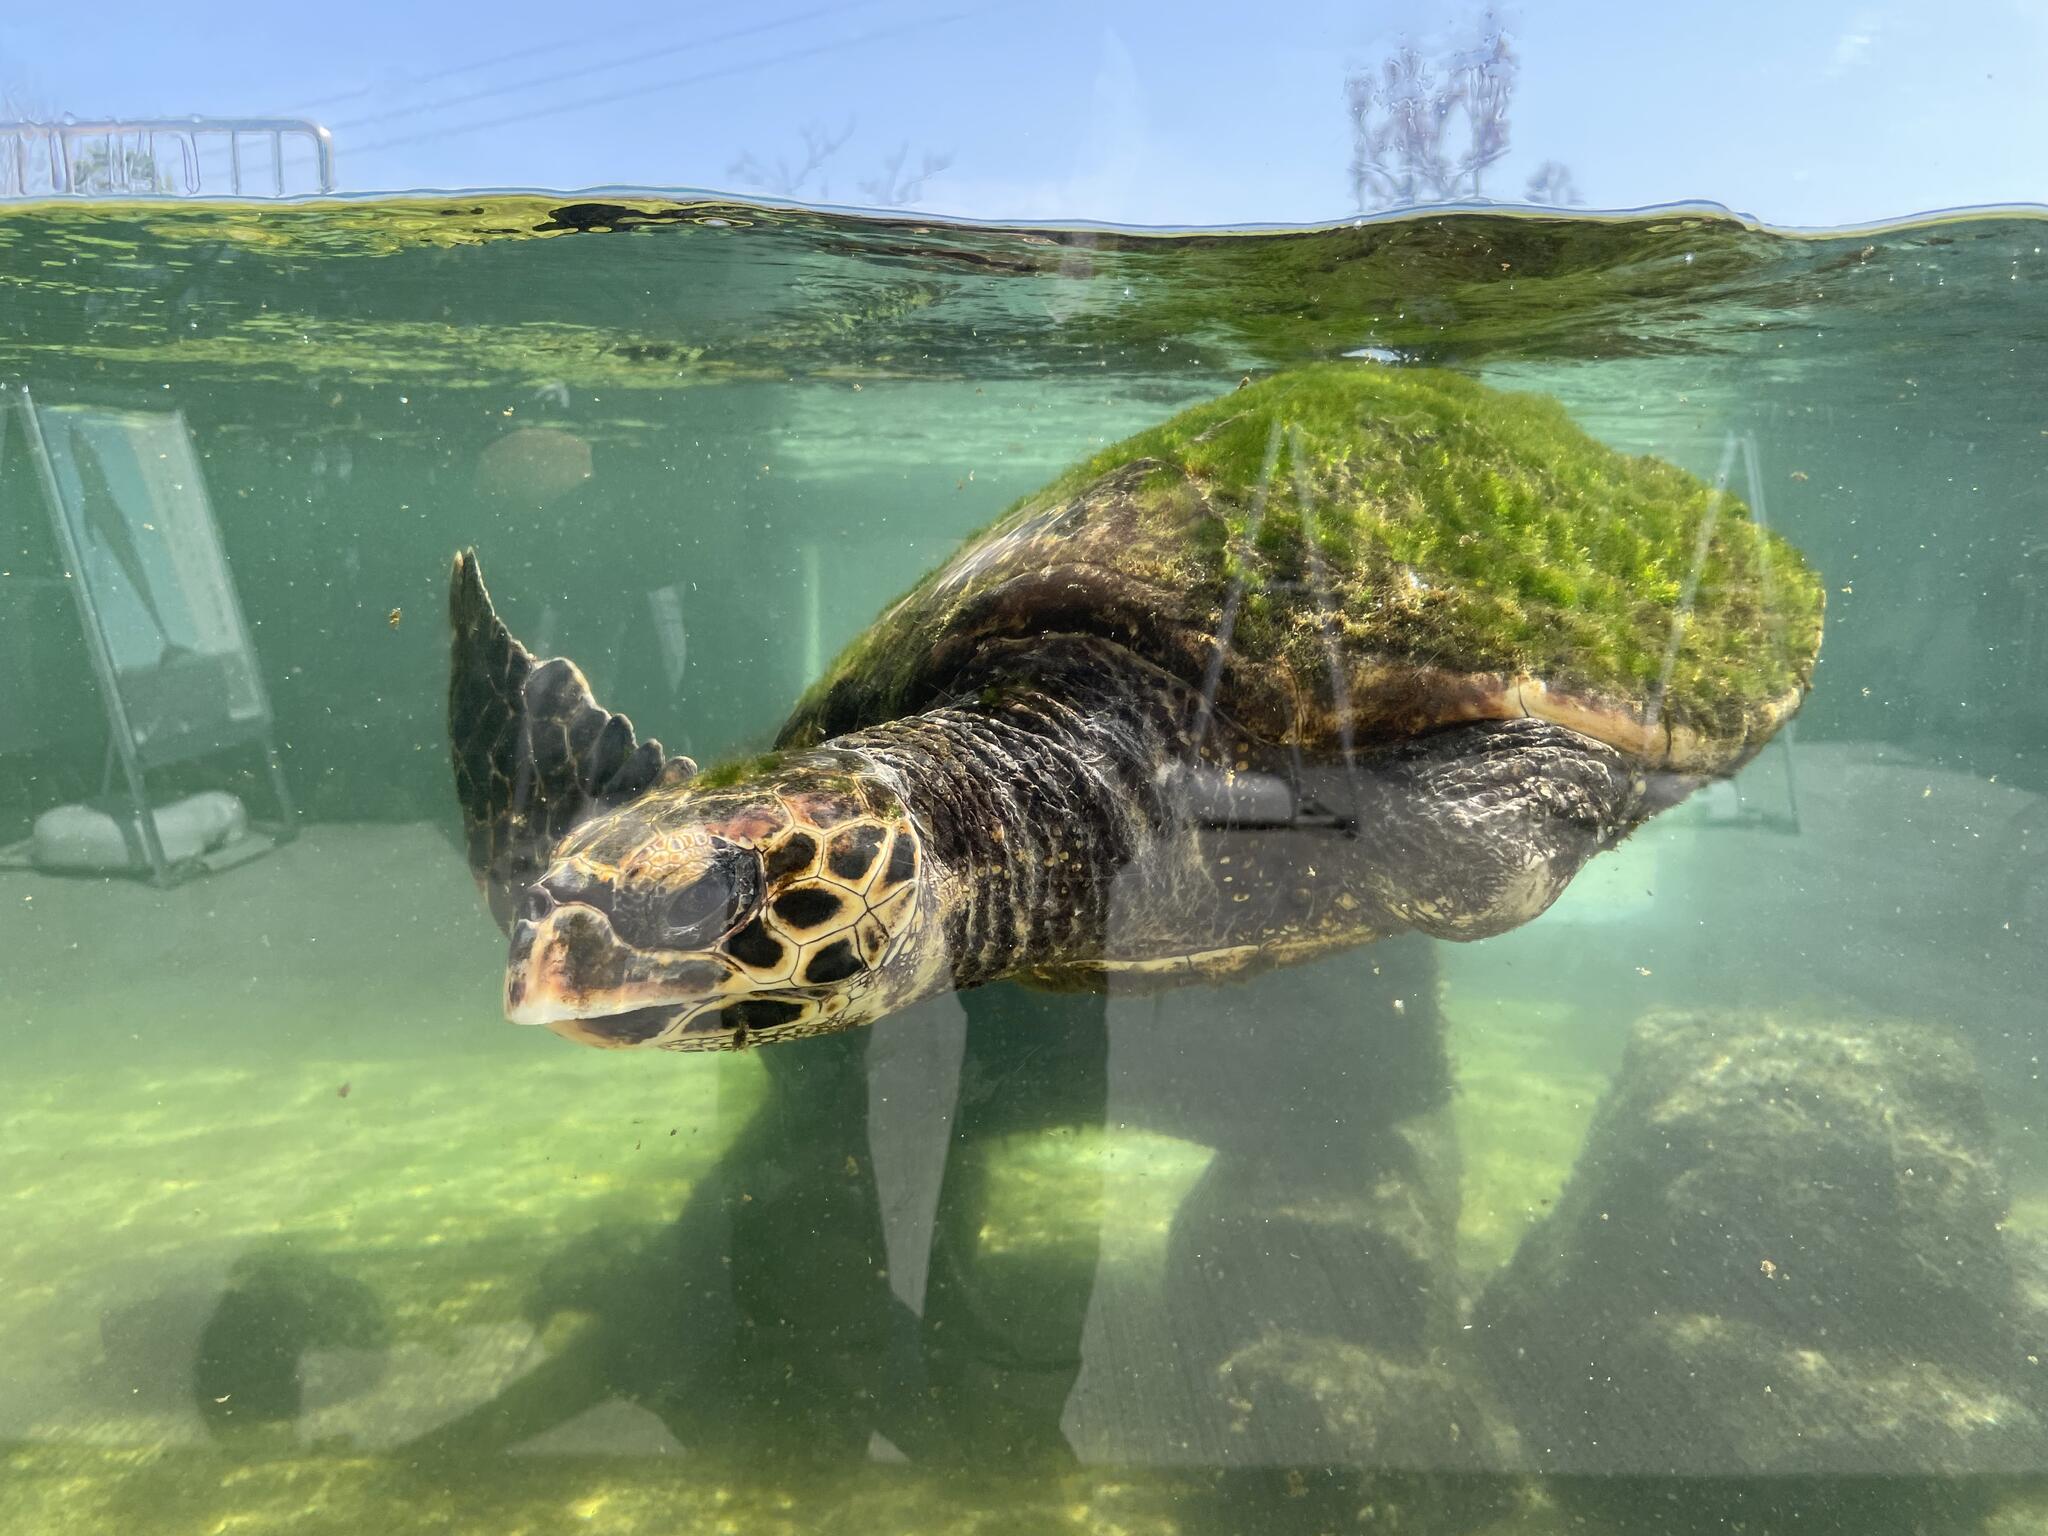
(694, 913)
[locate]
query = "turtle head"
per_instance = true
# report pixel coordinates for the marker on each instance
(650, 904)
(706, 919)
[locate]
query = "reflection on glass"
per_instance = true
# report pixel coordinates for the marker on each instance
(162, 623)
(151, 555)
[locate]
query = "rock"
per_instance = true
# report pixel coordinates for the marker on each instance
(84, 839)
(1310, 1284)
(1323, 1314)
(1332, 1403)
(1258, 1249)
(1780, 1253)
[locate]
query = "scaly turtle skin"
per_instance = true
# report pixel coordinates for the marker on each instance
(1347, 652)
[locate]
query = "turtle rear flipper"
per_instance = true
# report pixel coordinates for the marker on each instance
(534, 752)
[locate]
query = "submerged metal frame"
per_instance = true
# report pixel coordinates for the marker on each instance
(17, 402)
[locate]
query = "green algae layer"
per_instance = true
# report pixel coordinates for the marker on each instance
(1410, 521)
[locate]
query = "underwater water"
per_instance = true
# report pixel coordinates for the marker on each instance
(1714, 1198)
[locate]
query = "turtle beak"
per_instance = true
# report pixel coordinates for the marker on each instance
(544, 981)
(540, 985)
(567, 963)
(569, 971)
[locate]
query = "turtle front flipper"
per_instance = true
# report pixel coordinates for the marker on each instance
(534, 753)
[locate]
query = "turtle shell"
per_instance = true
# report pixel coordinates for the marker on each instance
(1346, 555)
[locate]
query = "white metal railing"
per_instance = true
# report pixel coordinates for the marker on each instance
(165, 157)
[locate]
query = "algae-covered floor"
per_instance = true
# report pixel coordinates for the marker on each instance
(291, 1080)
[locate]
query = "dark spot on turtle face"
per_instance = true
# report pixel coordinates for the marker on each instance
(807, 907)
(633, 1028)
(563, 885)
(693, 977)
(758, 1013)
(591, 959)
(873, 940)
(853, 853)
(835, 962)
(754, 945)
(902, 862)
(692, 914)
(792, 856)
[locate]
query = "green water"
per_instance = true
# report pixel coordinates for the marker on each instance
(300, 1234)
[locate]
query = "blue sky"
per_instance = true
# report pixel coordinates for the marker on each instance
(1816, 113)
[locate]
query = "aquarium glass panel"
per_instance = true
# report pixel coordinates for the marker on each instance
(823, 871)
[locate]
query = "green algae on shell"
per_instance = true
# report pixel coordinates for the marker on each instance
(1367, 552)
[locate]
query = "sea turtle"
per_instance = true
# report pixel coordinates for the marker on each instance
(1347, 651)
